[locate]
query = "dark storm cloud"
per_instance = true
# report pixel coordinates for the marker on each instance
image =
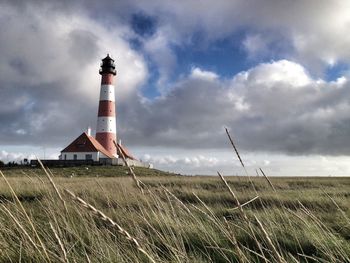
(36, 93)
(191, 115)
(40, 115)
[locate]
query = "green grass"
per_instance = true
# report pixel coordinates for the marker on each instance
(85, 171)
(176, 219)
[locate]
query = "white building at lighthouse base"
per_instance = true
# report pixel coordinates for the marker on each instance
(86, 148)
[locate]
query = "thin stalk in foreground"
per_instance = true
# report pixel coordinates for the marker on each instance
(18, 224)
(269, 242)
(241, 257)
(234, 147)
(64, 252)
(53, 184)
(268, 180)
(107, 219)
(240, 159)
(243, 214)
(133, 175)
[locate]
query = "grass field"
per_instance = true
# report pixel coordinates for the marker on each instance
(175, 219)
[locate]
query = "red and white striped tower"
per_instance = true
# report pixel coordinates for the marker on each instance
(106, 121)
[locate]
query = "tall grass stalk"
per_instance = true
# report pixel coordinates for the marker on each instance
(107, 219)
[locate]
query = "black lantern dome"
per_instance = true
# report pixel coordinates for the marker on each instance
(108, 66)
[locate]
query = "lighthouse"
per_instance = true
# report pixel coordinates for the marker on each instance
(106, 117)
(104, 147)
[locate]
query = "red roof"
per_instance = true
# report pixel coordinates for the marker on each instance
(125, 151)
(86, 143)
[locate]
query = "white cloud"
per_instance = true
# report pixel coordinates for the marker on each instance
(279, 72)
(14, 156)
(204, 162)
(66, 49)
(274, 107)
(203, 74)
(195, 163)
(159, 49)
(315, 33)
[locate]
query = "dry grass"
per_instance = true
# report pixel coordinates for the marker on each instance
(176, 219)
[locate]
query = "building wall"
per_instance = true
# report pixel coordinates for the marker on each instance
(101, 155)
(98, 156)
(80, 155)
(136, 163)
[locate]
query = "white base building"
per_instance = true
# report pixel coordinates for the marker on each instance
(85, 147)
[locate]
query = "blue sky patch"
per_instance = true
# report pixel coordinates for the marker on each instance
(143, 25)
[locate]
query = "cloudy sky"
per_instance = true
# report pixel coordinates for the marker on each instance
(275, 72)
